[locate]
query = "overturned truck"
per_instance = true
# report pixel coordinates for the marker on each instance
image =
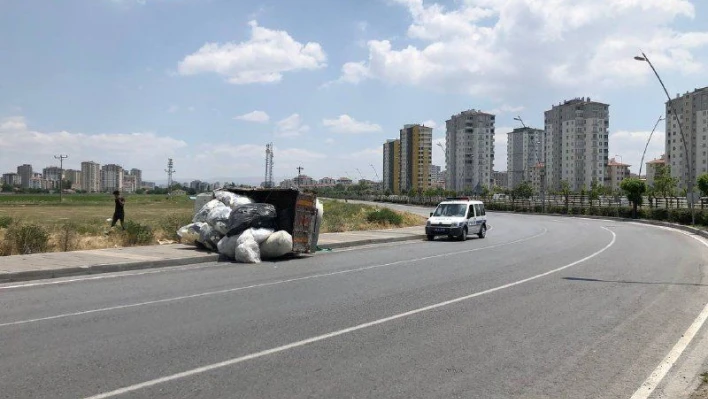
(247, 225)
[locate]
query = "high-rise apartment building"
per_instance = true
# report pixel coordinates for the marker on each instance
(576, 143)
(26, 174)
(111, 178)
(74, 176)
(392, 166)
(616, 172)
(138, 176)
(91, 177)
(11, 179)
(52, 173)
(500, 179)
(416, 157)
(524, 150)
(469, 153)
(651, 169)
(692, 109)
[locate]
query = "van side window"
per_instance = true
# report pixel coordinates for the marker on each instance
(482, 211)
(477, 210)
(470, 213)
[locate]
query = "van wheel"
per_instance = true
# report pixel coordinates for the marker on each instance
(431, 237)
(482, 231)
(463, 236)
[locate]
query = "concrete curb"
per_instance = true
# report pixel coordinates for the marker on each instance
(359, 243)
(103, 268)
(152, 264)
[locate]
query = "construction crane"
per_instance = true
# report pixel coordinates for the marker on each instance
(375, 172)
(360, 175)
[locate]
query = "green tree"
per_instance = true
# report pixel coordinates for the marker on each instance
(565, 192)
(703, 184)
(596, 189)
(634, 189)
(664, 184)
(6, 188)
(523, 191)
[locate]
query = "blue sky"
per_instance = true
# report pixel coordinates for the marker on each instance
(210, 82)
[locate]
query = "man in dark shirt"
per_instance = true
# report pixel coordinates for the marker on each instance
(119, 213)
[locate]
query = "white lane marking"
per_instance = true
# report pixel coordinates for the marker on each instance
(231, 362)
(102, 276)
(272, 283)
(652, 382)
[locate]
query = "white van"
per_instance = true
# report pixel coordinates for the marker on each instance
(457, 217)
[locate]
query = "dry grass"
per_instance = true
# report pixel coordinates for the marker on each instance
(341, 216)
(80, 223)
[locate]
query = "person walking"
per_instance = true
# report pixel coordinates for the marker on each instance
(119, 212)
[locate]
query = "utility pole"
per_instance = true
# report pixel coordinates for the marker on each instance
(61, 159)
(170, 171)
(299, 175)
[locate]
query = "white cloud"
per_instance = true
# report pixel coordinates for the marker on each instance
(202, 161)
(628, 147)
(346, 124)
(505, 108)
(151, 155)
(430, 123)
(292, 126)
(261, 59)
(329, 141)
(254, 116)
(172, 109)
(496, 46)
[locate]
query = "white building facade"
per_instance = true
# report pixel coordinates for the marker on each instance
(469, 150)
(576, 143)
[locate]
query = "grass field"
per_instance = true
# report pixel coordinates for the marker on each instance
(80, 220)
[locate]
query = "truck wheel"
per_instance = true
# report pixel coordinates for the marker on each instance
(431, 237)
(482, 231)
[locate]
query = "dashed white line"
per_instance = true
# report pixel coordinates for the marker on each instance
(272, 283)
(293, 345)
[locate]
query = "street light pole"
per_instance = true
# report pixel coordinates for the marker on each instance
(641, 163)
(689, 167)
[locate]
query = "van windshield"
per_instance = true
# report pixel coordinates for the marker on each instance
(456, 210)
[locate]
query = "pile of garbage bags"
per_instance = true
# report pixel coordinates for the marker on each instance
(237, 228)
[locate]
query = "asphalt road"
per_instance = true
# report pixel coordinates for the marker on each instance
(541, 308)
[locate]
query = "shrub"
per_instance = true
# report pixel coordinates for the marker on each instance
(682, 216)
(25, 239)
(5, 222)
(384, 216)
(137, 234)
(170, 224)
(68, 237)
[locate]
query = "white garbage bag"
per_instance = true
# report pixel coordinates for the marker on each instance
(230, 199)
(209, 237)
(261, 234)
(318, 224)
(227, 246)
(189, 234)
(218, 218)
(201, 216)
(247, 250)
(278, 244)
